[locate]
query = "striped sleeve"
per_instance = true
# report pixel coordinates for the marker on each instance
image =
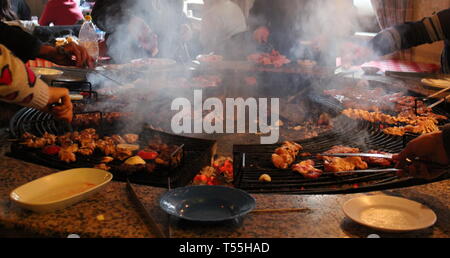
(412, 34)
(18, 84)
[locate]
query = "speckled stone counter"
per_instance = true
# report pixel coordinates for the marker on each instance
(324, 219)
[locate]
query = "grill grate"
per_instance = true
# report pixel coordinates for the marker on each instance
(197, 152)
(251, 161)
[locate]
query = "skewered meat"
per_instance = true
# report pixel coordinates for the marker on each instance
(307, 169)
(273, 58)
(35, 143)
(424, 126)
(285, 155)
(50, 139)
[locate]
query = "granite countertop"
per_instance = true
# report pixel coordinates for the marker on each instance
(324, 219)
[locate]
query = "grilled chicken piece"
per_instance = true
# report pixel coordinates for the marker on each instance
(307, 169)
(103, 167)
(344, 164)
(378, 161)
(107, 160)
(26, 136)
(131, 138)
(285, 155)
(122, 154)
(67, 154)
(86, 151)
(49, 138)
(341, 149)
(118, 139)
(36, 143)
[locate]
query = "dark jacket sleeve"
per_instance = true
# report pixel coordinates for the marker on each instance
(22, 44)
(412, 34)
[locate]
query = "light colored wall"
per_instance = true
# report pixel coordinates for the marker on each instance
(429, 53)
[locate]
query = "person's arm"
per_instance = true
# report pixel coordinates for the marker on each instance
(412, 34)
(22, 44)
(433, 147)
(19, 85)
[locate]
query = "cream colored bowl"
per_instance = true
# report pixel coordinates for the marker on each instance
(60, 190)
(390, 214)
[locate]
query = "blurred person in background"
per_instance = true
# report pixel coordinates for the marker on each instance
(6, 11)
(19, 85)
(404, 36)
(142, 28)
(222, 21)
(21, 9)
(285, 24)
(61, 12)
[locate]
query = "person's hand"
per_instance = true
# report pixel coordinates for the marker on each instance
(144, 35)
(71, 54)
(261, 35)
(429, 147)
(59, 104)
(355, 54)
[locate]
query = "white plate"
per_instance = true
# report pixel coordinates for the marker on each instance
(60, 190)
(436, 83)
(46, 71)
(390, 214)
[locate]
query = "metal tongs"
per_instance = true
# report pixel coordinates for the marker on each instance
(382, 156)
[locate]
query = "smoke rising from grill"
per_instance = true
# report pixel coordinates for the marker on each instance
(325, 23)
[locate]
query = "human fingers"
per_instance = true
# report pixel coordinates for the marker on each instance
(75, 50)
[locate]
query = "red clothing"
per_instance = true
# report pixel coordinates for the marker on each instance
(61, 12)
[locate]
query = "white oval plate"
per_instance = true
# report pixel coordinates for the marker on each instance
(436, 83)
(60, 190)
(46, 71)
(390, 214)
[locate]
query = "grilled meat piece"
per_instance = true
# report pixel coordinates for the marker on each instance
(307, 169)
(67, 154)
(341, 149)
(285, 155)
(86, 151)
(102, 166)
(107, 160)
(335, 164)
(122, 154)
(131, 138)
(118, 139)
(378, 161)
